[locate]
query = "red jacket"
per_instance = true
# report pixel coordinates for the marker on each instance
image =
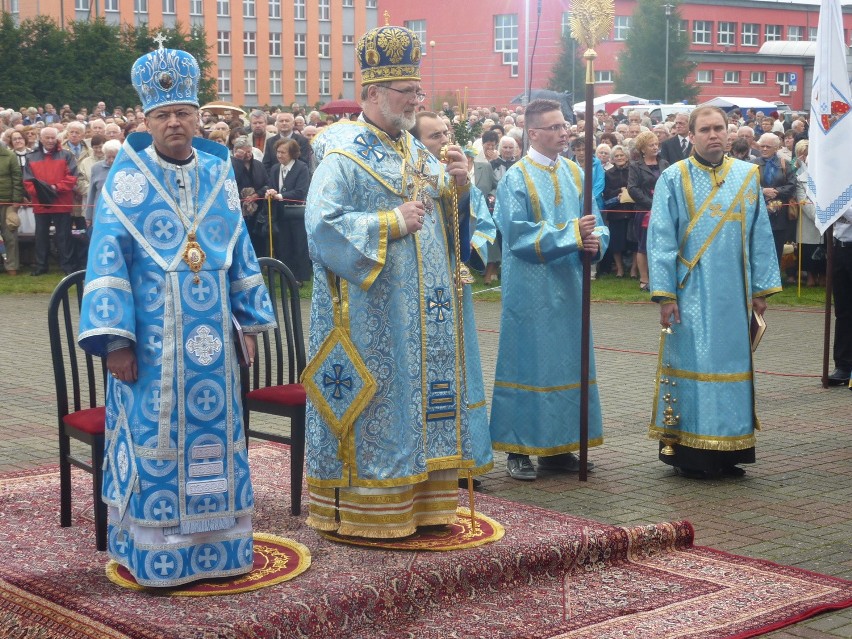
(58, 169)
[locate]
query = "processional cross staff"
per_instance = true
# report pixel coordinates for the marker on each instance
(591, 21)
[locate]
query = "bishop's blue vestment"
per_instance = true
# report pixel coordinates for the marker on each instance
(391, 463)
(536, 404)
(710, 249)
(176, 474)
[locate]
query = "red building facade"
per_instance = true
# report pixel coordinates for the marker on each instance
(485, 49)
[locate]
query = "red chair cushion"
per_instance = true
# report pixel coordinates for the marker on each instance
(287, 395)
(88, 420)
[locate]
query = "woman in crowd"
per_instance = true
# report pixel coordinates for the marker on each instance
(289, 179)
(252, 183)
(604, 154)
(808, 237)
(98, 175)
(642, 179)
(616, 200)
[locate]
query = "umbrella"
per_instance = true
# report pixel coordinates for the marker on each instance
(44, 193)
(340, 107)
(220, 107)
(564, 98)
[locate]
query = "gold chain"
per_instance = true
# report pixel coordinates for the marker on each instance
(193, 254)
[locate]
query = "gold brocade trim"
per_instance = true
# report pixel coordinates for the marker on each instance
(767, 292)
(357, 482)
(477, 405)
(543, 452)
(424, 391)
(381, 180)
(449, 463)
(703, 442)
(575, 173)
(381, 257)
(577, 235)
(391, 219)
(485, 237)
(708, 377)
(658, 376)
(537, 243)
(664, 294)
(535, 203)
(390, 73)
(541, 389)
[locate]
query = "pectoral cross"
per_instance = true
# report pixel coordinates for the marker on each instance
(419, 178)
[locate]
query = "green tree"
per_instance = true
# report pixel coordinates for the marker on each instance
(642, 64)
(569, 70)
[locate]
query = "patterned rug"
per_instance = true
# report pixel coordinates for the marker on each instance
(550, 576)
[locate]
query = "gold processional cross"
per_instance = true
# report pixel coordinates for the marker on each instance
(418, 179)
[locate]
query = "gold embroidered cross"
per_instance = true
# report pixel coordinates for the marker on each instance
(716, 210)
(751, 197)
(419, 178)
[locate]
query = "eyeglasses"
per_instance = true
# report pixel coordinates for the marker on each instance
(408, 93)
(555, 128)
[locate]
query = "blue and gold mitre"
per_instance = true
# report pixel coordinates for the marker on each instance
(389, 53)
(164, 77)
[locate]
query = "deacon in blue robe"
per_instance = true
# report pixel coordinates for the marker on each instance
(711, 258)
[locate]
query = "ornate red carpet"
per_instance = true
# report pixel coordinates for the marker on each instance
(550, 576)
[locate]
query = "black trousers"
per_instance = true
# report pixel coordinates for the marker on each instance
(62, 223)
(842, 289)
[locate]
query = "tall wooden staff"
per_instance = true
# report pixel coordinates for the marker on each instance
(591, 21)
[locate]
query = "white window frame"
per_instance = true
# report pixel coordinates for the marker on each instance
(325, 83)
(196, 7)
(300, 45)
(795, 33)
(275, 82)
(620, 28)
(324, 10)
(111, 6)
(348, 3)
(298, 9)
(81, 5)
(704, 76)
(274, 45)
(300, 83)
(250, 44)
(223, 82)
(782, 79)
(324, 45)
(274, 8)
(419, 27)
(731, 77)
(726, 34)
(702, 32)
(140, 6)
(750, 34)
(249, 9)
(348, 76)
(250, 81)
(371, 4)
(506, 40)
(223, 43)
(169, 7)
(757, 77)
(604, 77)
(348, 38)
(812, 34)
(775, 33)
(223, 8)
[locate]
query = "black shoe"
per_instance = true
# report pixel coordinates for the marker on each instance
(838, 377)
(38, 271)
(521, 468)
(477, 483)
(732, 471)
(564, 463)
(692, 473)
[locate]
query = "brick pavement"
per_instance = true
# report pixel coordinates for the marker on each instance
(793, 507)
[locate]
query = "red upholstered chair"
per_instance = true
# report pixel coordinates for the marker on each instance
(272, 385)
(80, 380)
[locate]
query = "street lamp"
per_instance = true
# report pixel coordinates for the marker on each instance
(432, 53)
(668, 8)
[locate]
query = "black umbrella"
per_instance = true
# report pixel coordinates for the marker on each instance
(44, 193)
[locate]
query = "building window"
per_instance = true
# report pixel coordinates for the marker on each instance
(223, 82)
(812, 32)
(566, 23)
(348, 39)
(248, 8)
(506, 40)
(223, 7)
(111, 6)
(140, 6)
(300, 82)
(621, 27)
(348, 76)
(249, 43)
(251, 82)
(751, 34)
(773, 32)
(275, 45)
(796, 34)
(757, 77)
(14, 7)
(275, 9)
(702, 32)
(348, 3)
(325, 83)
(703, 76)
(727, 34)
(732, 77)
(682, 30)
(274, 83)
(782, 79)
(603, 76)
(419, 27)
(371, 4)
(299, 47)
(324, 10)
(196, 7)
(324, 45)
(81, 5)
(223, 42)
(168, 6)
(298, 9)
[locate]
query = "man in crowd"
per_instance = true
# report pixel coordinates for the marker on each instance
(284, 124)
(379, 220)
(747, 133)
(170, 266)
(778, 185)
(710, 255)
(539, 211)
(257, 132)
(677, 147)
(842, 288)
(11, 196)
(50, 181)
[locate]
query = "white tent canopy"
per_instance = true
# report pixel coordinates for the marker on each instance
(741, 103)
(601, 102)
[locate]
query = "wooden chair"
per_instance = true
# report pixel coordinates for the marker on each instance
(272, 385)
(78, 379)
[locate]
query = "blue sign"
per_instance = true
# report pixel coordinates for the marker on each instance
(794, 79)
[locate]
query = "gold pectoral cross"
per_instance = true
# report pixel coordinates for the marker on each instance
(419, 178)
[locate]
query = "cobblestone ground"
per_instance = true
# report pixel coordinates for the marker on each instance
(794, 506)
